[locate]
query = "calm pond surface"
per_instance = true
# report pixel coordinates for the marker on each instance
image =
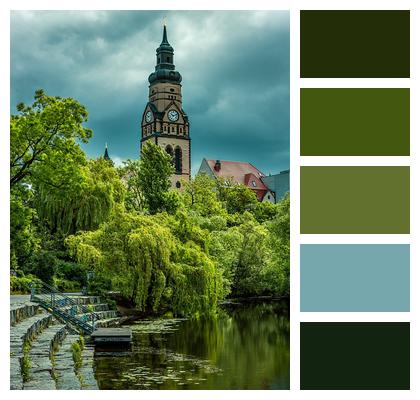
(244, 347)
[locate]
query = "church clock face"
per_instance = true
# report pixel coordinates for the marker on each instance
(173, 115)
(148, 116)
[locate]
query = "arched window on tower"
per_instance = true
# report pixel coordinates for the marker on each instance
(178, 160)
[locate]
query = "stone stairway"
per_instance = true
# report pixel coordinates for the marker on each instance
(23, 329)
(44, 345)
(41, 371)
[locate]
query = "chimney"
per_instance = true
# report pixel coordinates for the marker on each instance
(217, 165)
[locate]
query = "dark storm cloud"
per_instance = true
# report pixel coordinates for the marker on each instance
(235, 68)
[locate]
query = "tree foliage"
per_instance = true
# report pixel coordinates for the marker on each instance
(148, 264)
(23, 238)
(279, 242)
(237, 198)
(130, 173)
(43, 138)
(84, 205)
(154, 171)
(201, 195)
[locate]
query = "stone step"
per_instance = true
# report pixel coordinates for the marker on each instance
(86, 373)
(85, 300)
(20, 334)
(26, 330)
(41, 368)
(101, 315)
(80, 309)
(19, 312)
(66, 378)
(105, 323)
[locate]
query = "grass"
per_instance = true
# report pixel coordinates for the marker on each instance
(25, 365)
(76, 349)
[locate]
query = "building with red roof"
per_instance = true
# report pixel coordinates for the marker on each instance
(240, 172)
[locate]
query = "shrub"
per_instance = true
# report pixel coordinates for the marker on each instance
(20, 285)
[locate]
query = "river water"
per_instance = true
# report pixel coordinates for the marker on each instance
(243, 347)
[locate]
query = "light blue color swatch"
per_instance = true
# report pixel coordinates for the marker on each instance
(360, 277)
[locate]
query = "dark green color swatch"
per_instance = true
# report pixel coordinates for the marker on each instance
(355, 44)
(355, 122)
(355, 355)
(355, 200)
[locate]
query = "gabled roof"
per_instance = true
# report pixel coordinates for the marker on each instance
(156, 113)
(254, 182)
(238, 171)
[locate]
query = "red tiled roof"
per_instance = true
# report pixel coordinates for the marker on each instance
(254, 182)
(235, 170)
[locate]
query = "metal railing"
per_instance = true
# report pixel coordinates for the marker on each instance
(64, 307)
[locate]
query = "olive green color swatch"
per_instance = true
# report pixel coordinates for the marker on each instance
(355, 356)
(355, 122)
(355, 200)
(355, 44)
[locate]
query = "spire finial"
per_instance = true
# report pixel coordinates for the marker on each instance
(106, 155)
(165, 37)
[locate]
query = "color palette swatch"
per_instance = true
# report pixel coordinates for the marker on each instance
(361, 198)
(355, 355)
(358, 200)
(355, 44)
(355, 278)
(355, 122)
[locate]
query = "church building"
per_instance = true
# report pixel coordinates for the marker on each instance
(164, 122)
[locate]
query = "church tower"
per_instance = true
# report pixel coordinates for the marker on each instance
(164, 122)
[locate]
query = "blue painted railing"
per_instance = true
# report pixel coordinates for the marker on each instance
(64, 307)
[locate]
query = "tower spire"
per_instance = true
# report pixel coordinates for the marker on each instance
(106, 155)
(165, 35)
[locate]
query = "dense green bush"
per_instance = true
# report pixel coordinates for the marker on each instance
(21, 285)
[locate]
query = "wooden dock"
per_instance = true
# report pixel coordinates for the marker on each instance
(112, 336)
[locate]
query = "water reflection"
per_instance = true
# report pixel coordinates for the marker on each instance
(245, 347)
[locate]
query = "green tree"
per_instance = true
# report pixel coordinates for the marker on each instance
(264, 211)
(254, 254)
(23, 238)
(237, 198)
(85, 204)
(153, 176)
(43, 139)
(200, 195)
(148, 264)
(278, 268)
(130, 173)
(224, 248)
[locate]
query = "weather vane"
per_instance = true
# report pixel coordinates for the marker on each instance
(164, 21)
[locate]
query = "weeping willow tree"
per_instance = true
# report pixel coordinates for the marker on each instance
(85, 202)
(149, 265)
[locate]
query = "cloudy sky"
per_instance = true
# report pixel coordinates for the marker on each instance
(235, 69)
